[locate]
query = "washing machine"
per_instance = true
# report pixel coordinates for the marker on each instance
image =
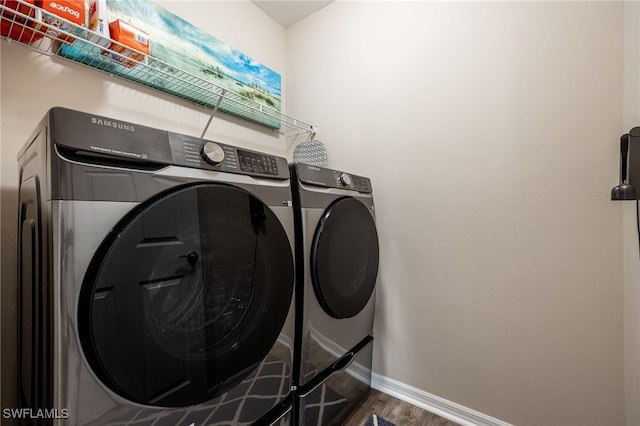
(156, 278)
(337, 257)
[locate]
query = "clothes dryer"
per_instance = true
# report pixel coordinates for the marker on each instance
(337, 258)
(156, 278)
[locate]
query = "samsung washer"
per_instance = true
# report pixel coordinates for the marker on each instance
(337, 257)
(156, 278)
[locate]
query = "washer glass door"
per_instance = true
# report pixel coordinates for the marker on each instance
(344, 258)
(186, 295)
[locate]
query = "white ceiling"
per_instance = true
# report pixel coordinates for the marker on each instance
(287, 13)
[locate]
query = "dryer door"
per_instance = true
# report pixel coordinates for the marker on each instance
(186, 295)
(344, 258)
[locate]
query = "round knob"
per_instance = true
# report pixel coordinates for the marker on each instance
(345, 179)
(212, 153)
(192, 257)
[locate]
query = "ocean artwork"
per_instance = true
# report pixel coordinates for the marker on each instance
(188, 62)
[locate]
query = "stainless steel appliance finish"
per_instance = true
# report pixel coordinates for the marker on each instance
(156, 277)
(337, 265)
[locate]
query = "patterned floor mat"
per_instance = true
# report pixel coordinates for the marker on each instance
(378, 421)
(241, 406)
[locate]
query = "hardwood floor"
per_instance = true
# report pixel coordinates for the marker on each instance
(394, 410)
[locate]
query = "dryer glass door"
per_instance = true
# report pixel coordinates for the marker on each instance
(344, 258)
(186, 295)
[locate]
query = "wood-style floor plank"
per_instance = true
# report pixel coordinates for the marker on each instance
(394, 410)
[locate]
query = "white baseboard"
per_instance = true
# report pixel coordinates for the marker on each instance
(449, 410)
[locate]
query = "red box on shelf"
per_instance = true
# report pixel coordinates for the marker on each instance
(18, 27)
(131, 43)
(57, 11)
(17, 6)
(19, 31)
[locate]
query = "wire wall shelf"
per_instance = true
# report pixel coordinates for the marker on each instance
(22, 23)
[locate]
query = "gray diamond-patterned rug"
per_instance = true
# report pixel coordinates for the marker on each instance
(375, 420)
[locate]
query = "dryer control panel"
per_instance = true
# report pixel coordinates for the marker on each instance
(319, 176)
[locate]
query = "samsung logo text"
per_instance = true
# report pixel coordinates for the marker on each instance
(113, 124)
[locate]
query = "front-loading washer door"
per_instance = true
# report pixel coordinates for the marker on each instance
(344, 258)
(186, 295)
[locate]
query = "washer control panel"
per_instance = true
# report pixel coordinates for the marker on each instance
(115, 140)
(258, 163)
(203, 154)
(212, 153)
(319, 176)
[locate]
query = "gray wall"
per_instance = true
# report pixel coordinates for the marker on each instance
(490, 131)
(631, 118)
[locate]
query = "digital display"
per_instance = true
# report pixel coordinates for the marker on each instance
(257, 163)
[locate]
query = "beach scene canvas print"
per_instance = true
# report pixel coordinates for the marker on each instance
(182, 57)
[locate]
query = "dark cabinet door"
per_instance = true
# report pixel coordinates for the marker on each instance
(344, 258)
(186, 295)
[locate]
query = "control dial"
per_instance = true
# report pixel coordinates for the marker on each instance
(345, 179)
(212, 153)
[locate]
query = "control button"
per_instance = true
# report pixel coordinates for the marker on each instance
(212, 153)
(345, 179)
